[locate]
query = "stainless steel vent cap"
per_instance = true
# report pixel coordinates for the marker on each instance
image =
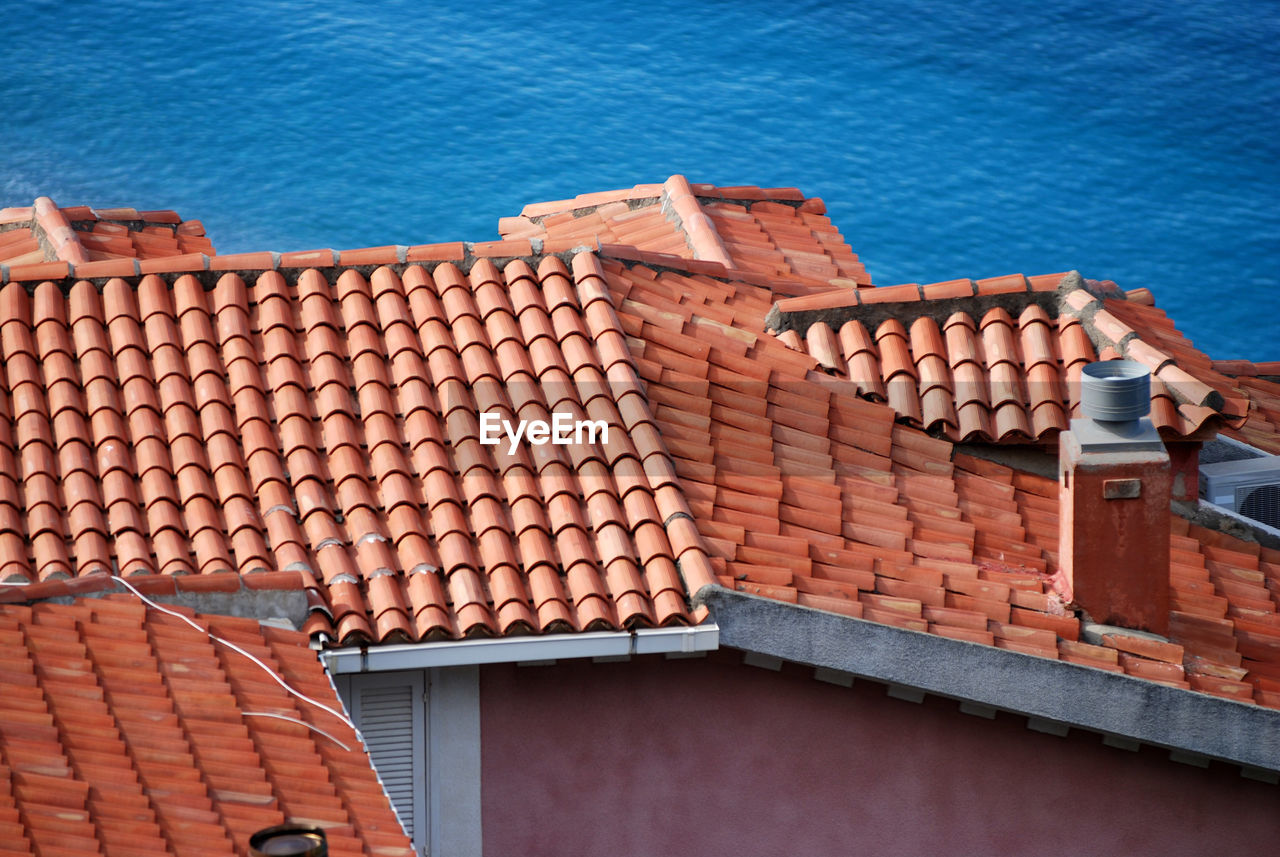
(1115, 391)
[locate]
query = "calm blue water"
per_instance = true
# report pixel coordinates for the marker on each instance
(1138, 142)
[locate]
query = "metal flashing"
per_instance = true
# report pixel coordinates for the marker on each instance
(1137, 436)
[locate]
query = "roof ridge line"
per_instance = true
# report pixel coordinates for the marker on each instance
(1239, 366)
(789, 196)
(257, 592)
(631, 256)
(645, 195)
(632, 203)
(839, 305)
(683, 209)
(213, 267)
(256, 263)
(57, 237)
(1107, 330)
(819, 326)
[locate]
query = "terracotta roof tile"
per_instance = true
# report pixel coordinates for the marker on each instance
(904, 536)
(971, 371)
(127, 730)
(98, 239)
(307, 413)
(773, 233)
(1259, 385)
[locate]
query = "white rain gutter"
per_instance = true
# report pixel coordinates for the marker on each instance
(502, 650)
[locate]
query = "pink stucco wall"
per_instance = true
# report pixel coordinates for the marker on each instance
(711, 757)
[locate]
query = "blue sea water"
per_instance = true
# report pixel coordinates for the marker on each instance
(1133, 141)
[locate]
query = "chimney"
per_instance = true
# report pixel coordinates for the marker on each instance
(1114, 487)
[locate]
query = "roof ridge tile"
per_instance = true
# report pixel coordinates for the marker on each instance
(57, 232)
(682, 207)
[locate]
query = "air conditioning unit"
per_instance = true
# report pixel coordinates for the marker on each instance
(1249, 487)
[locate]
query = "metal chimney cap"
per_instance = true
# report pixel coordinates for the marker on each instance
(289, 840)
(1115, 391)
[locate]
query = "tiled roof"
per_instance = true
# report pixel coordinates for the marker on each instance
(318, 412)
(775, 232)
(807, 493)
(125, 731)
(20, 246)
(45, 233)
(1260, 384)
(327, 422)
(1000, 359)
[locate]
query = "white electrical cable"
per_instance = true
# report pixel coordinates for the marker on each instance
(295, 720)
(239, 651)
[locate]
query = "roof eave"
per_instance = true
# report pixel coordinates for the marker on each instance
(1064, 693)
(672, 641)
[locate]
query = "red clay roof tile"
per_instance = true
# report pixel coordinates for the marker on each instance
(729, 454)
(101, 243)
(1012, 381)
(761, 230)
(170, 757)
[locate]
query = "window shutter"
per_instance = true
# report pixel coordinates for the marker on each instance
(390, 712)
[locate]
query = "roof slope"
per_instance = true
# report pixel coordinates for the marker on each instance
(1260, 384)
(807, 493)
(775, 232)
(319, 412)
(128, 732)
(45, 233)
(1000, 359)
(332, 427)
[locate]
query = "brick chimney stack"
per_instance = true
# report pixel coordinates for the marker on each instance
(1114, 489)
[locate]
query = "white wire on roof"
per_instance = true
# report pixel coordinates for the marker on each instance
(295, 720)
(233, 647)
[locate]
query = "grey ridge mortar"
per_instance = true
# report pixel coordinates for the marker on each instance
(873, 315)
(940, 309)
(260, 604)
(1057, 691)
(1223, 520)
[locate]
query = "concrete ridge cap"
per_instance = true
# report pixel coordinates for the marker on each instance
(1058, 691)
